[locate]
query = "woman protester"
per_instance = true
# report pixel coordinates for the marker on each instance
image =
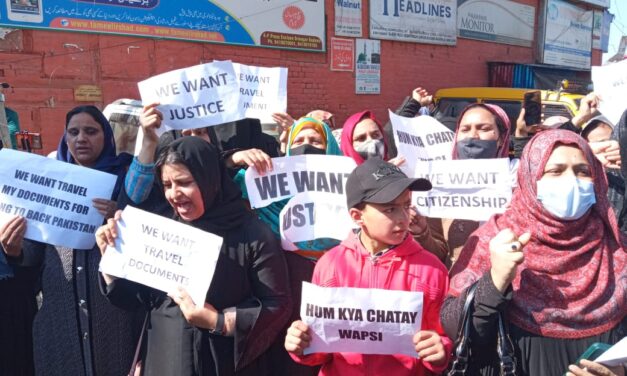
(76, 331)
(554, 262)
(248, 301)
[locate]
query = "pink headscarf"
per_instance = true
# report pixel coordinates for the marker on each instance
(502, 122)
(346, 143)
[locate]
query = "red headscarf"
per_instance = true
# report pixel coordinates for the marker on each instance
(502, 122)
(346, 143)
(573, 281)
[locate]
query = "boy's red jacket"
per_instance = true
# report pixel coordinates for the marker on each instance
(406, 267)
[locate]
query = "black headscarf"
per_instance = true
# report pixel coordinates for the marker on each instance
(222, 198)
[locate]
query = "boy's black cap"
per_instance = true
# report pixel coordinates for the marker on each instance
(378, 182)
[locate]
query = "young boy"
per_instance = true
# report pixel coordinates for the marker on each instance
(382, 254)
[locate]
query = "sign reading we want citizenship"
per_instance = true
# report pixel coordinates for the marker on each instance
(55, 198)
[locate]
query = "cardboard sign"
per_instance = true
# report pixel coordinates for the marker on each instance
(163, 254)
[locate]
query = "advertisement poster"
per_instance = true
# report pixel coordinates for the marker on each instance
(433, 21)
(348, 18)
(284, 24)
(342, 54)
(367, 66)
(504, 21)
(568, 35)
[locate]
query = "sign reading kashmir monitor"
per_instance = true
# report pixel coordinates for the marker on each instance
(472, 189)
(285, 24)
(500, 21)
(348, 18)
(296, 174)
(425, 21)
(567, 35)
(162, 253)
(358, 320)
(367, 66)
(55, 197)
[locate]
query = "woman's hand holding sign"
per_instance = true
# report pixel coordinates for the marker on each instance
(12, 236)
(105, 236)
(251, 158)
(150, 120)
(297, 338)
(202, 316)
(429, 347)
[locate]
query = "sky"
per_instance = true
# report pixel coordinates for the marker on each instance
(619, 26)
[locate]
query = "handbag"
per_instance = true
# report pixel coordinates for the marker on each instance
(462, 354)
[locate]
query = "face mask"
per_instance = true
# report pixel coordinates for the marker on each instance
(566, 200)
(371, 149)
(474, 148)
(306, 149)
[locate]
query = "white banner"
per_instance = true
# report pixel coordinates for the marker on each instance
(163, 254)
(421, 138)
(367, 66)
(55, 197)
(296, 174)
(314, 215)
(472, 189)
(348, 18)
(364, 321)
(568, 35)
(432, 21)
(610, 82)
(500, 21)
(262, 91)
(195, 97)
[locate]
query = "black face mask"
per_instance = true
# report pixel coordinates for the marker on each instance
(306, 149)
(473, 148)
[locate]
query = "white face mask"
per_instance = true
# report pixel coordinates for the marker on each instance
(567, 200)
(371, 148)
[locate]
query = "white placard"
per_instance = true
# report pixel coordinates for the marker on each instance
(296, 174)
(500, 21)
(610, 83)
(472, 189)
(55, 197)
(421, 138)
(364, 321)
(433, 21)
(568, 35)
(262, 90)
(314, 215)
(615, 355)
(163, 254)
(348, 18)
(195, 97)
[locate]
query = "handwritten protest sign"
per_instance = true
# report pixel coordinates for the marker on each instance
(314, 215)
(421, 138)
(55, 197)
(472, 189)
(194, 97)
(262, 91)
(365, 321)
(296, 174)
(163, 254)
(610, 82)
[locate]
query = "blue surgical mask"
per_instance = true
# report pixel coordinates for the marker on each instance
(568, 200)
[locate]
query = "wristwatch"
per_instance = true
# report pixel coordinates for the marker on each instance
(219, 330)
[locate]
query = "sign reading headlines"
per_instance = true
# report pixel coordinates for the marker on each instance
(357, 320)
(610, 82)
(342, 54)
(567, 35)
(367, 66)
(421, 138)
(194, 97)
(55, 198)
(262, 90)
(472, 189)
(501, 21)
(297, 174)
(163, 254)
(348, 18)
(314, 215)
(432, 21)
(286, 24)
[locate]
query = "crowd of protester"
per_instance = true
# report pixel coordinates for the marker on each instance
(551, 268)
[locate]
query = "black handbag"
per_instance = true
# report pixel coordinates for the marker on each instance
(462, 355)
